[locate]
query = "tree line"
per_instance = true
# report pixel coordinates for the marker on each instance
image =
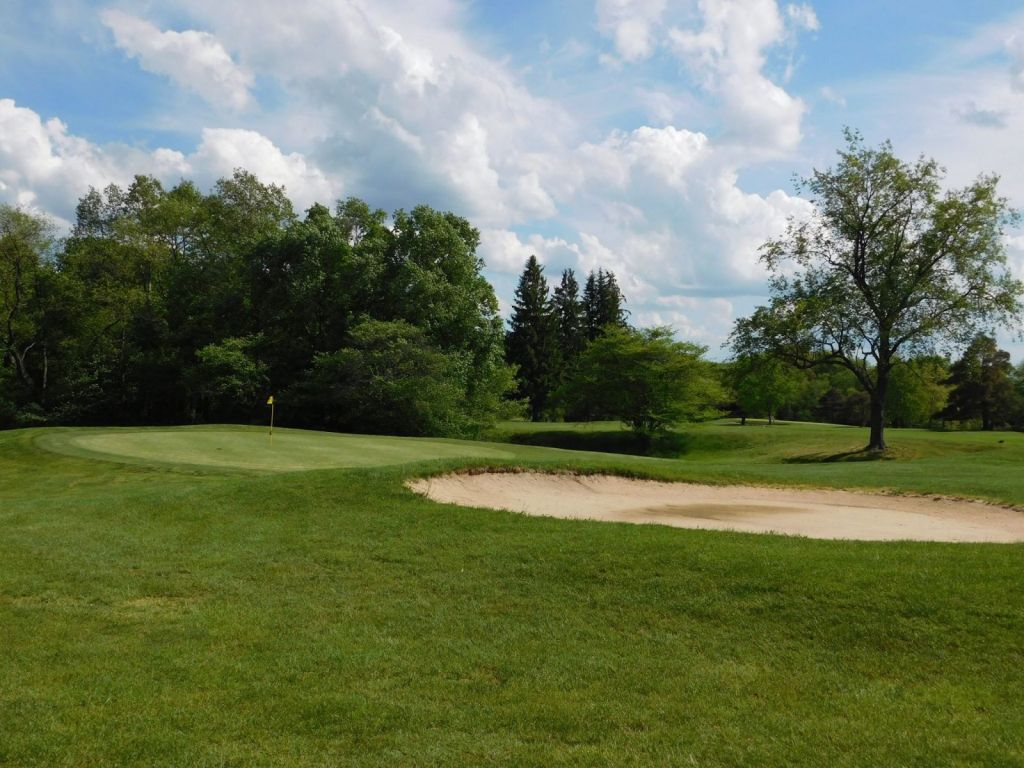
(979, 390)
(175, 306)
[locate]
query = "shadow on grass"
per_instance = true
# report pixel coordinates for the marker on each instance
(671, 445)
(848, 456)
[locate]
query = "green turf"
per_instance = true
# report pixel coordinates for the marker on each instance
(254, 449)
(162, 614)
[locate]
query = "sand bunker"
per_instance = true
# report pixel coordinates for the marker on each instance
(818, 514)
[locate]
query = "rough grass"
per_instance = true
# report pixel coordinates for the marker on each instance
(163, 615)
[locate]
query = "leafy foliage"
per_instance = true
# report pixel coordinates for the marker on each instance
(645, 379)
(388, 379)
(170, 305)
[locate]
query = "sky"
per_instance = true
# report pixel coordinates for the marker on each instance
(656, 138)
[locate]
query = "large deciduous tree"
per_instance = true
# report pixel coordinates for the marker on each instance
(889, 263)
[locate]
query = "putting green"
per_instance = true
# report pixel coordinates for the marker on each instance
(250, 448)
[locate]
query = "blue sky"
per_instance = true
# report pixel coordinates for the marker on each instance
(652, 137)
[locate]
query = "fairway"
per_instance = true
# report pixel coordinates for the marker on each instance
(252, 449)
(171, 597)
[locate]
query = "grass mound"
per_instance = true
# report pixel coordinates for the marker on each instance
(250, 448)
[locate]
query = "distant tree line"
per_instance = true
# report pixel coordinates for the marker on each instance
(979, 390)
(171, 305)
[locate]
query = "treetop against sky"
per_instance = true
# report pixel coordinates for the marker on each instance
(654, 138)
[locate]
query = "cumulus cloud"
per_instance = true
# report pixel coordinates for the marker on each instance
(664, 154)
(727, 55)
(44, 166)
(224, 149)
(194, 60)
(396, 100)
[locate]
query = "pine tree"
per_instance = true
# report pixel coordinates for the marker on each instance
(592, 306)
(571, 318)
(982, 384)
(532, 340)
(602, 303)
(611, 300)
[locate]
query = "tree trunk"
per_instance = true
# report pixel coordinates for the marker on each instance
(877, 440)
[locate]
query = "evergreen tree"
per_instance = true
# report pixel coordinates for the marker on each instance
(531, 343)
(982, 384)
(592, 306)
(572, 319)
(602, 303)
(611, 300)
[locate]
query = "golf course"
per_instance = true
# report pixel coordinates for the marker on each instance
(206, 596)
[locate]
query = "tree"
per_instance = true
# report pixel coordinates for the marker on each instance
(764, 384)
(918, 391)
(602, 303)
(25, 243)
(388, 379)
(532, 340)
(644, 378)
(228, 380)
(571, 319)
(887, 264)
(982, 381)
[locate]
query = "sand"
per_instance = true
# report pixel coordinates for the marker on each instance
(818, 514)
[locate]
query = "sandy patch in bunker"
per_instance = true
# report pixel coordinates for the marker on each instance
(818, 514)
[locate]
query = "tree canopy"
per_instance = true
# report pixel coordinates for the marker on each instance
(644, 378)
(172, 305)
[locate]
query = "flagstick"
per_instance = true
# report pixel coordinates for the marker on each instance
(271, 423)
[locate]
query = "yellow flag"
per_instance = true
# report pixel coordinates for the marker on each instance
(270, 400)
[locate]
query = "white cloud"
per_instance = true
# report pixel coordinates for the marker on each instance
(224, 149)
(727, 55)
(395, 99)
(400, 102)
(631, 24)
(803, 17)
(44, 166)
(194, 60)
(661, 153)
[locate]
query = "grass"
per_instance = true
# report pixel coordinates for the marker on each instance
(170, 607)
(248, 448)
